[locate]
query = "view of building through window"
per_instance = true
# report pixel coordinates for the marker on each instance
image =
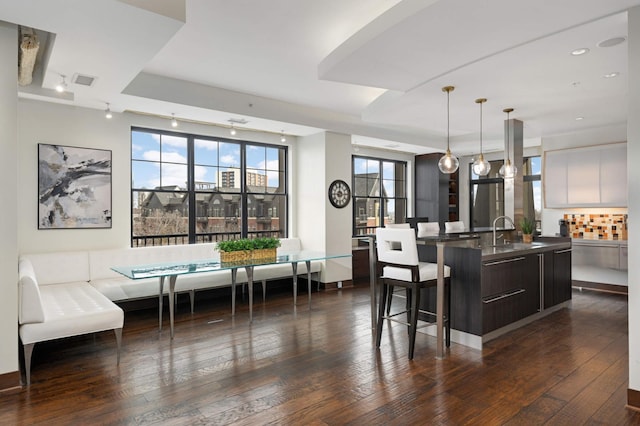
(487, 193)
(379, 193)
(192, 189)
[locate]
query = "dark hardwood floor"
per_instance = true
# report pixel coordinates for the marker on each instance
(320, 367)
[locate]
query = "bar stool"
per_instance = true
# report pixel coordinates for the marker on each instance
(398, 265)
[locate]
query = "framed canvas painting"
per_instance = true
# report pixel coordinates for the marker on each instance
(74, 187)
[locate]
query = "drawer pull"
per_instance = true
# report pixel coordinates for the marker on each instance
(504, 296)
(563, 251)
(498, 262)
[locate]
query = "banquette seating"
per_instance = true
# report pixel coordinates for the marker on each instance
(64, 294)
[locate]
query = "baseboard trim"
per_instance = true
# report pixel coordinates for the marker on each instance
(633, 399)
(10, 382)
(607, 288)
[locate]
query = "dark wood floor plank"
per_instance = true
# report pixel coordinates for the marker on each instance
(319, 366)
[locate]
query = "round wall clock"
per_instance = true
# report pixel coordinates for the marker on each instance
(339, 193)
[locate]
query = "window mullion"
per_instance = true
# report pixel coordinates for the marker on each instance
(191, 190)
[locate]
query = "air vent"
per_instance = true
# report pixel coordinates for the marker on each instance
(238, 121)
(83, 80)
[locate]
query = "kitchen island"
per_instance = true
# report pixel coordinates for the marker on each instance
(496, 289)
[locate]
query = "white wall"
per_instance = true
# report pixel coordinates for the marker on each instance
(309, 194)
(321, 159)
(41, 122)
(8, 213)
(339, 222)
(633, 153)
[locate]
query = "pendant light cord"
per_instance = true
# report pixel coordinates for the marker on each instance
(508, 111)
(447, 120)
(480, 128)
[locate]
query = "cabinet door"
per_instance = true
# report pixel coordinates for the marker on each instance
(561, 275)
(593, 176)
(546, 260)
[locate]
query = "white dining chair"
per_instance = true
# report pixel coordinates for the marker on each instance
(456, 226)
(398, 265)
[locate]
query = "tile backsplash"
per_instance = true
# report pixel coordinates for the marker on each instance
(597, 226)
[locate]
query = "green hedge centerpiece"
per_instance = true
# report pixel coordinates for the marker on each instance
(246, 249)
(527, 226)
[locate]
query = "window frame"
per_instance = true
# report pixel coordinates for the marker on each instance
(490, 181)
(379, 200)
(192, 191)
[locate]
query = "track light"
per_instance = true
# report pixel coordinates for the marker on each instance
(62, 86)
(174, 122)
(107, 112)
(282, 137)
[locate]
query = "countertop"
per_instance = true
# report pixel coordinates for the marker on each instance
(481, 230)
(517, 249)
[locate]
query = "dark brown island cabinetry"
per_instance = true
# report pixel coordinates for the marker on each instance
(492, 289)
(510, 290)
(557, 276)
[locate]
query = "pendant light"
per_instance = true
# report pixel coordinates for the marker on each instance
(508, 170)
(448, 163)
(481, 167)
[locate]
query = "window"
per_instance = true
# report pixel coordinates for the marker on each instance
(379, 193)
(532, 190)
(194, 189)
(487, 196)
(487, 193)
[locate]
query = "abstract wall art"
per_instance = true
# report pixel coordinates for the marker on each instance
(74, 187)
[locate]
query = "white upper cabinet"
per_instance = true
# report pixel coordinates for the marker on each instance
(594, 176)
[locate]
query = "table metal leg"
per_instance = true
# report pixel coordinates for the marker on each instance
(440, 302)
(160, 298)
(372, 281)
(234, 273)
(294, 267)
(172, 288)
(249, 270)
(308, 263)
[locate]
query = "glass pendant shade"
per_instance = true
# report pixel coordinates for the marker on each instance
(448, 163)
(481, 167)
(508, 170)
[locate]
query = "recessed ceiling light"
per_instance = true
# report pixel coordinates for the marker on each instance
(612, 42)
(579, 118)
(580, 51)
(611, 75)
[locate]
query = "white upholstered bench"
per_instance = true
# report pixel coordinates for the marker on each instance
(57, 310)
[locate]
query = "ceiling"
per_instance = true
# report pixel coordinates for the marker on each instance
(370, 68)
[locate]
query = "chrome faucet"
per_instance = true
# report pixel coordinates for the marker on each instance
(506, 218)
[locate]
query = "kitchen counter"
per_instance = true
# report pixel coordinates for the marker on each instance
(497, 289)
(515, 249)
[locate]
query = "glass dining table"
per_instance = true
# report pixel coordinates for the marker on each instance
(172, 270)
